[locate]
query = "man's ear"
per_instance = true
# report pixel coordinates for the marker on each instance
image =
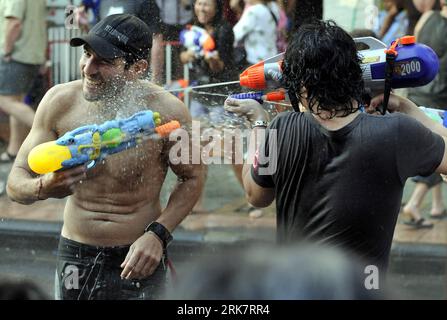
(140, 67)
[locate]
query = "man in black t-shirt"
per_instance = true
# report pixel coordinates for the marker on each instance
(337, 173)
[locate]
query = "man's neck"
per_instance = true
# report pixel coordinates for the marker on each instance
(337, 122)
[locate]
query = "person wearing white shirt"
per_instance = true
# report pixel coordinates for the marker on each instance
(257, 30)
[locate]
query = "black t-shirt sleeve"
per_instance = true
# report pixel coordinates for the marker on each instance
(419, 151)
(149, 12)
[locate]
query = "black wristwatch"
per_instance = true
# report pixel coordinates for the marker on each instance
(162, 233)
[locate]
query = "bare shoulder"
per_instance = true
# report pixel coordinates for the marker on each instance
(169, 106)
(59, 99)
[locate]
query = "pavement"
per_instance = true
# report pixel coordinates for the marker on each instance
(29, 236)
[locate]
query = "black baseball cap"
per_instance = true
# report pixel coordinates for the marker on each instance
(118, 35)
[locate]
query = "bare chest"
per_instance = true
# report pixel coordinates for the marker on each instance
(117, 166)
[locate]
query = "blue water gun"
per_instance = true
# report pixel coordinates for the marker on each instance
(92, 143)
(198, 40)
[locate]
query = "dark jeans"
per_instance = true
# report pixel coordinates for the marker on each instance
(86, 272)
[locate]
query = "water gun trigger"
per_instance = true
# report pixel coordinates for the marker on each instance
(91, 164)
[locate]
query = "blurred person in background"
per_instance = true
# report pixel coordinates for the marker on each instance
(20, 290)
(88, 14)
(393, 21)
(430, 30)
(210, 67)
(283, 26)
(304, 272)
(237, 6)
(257, 30)
(213, 66)
(174, 16)
(23, 43)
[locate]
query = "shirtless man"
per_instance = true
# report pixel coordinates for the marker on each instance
(115, 232)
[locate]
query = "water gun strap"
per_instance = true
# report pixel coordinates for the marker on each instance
(391, 55)
(172, 270)
(294, 100)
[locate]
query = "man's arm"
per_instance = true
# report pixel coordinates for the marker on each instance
(256, 195)
(24, 186)
(190, 176)
(13, 30)
(400, 104)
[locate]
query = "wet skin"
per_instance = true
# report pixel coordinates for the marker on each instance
(112, 203)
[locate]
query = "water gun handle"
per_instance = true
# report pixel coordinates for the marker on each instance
(260, 96)
(250, 95)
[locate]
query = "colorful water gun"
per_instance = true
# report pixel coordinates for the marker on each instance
(414, 65)
(199, 40)
(437, 115)
(91, 143)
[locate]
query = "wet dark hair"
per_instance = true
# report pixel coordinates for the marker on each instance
(322, 58)
(218, 17)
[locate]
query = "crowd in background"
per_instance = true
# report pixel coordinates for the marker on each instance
(243, 33)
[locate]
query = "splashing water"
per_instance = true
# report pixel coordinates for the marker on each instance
(203, 86)
(230, 120)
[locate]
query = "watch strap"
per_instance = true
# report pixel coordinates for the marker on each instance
(161, 232)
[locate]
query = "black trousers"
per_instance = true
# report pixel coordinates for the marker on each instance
(86, 272)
